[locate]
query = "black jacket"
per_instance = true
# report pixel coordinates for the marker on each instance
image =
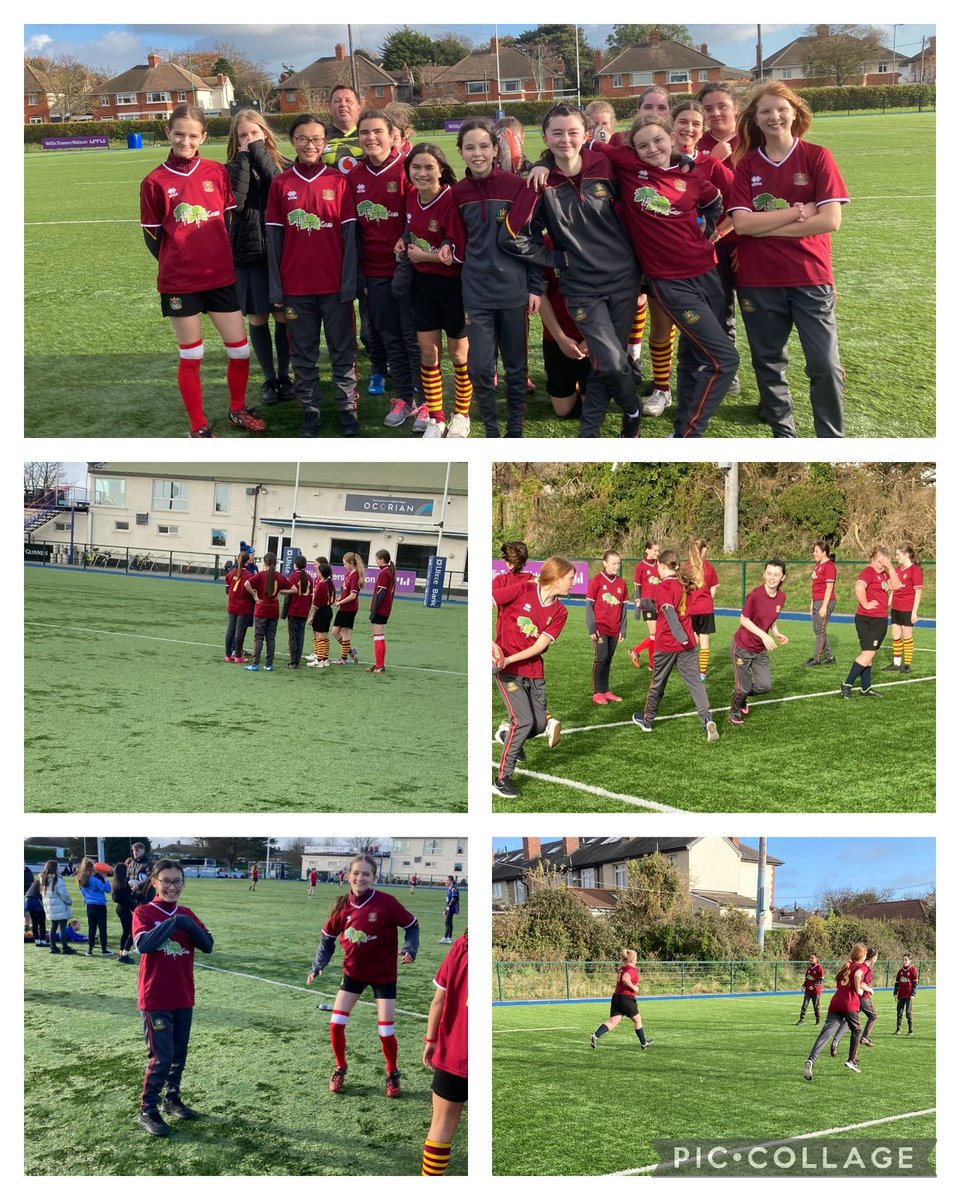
(251, 174)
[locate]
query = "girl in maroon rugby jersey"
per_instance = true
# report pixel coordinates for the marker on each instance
(530, 618)
(873, 587)
(348, 605)
(300, 592)
(321, 613)
(606, 612)
(904, 606)
(265, 588)
(646, 578)
(844, 1009)
(184, 208)
(445, 1051)
(239, 610)
(366, 921)
(623, 1002)
(823, 600)
(700, 601)
(756, 636)
(165, 936)
(381, 605)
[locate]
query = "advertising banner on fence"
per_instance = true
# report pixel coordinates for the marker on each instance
(579, 584)
(91, 142)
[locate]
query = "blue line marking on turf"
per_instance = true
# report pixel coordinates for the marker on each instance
(930, 987)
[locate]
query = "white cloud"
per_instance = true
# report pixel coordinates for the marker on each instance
(37, 44)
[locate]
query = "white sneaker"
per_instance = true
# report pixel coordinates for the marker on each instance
(656, 403)
(552, 732)
(311, 658)
(421, 419)
(502, 729)
(314, 663)
(324, 662)
(435, 429)
(459, 426)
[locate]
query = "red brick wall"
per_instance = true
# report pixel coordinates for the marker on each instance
(660, 79)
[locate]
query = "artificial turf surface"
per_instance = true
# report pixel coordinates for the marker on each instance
(719, 1069)
(259, 1059)
(795, 755)
(110, 368)
(129, 707)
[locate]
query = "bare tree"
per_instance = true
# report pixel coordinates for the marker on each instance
(837, 52)
(75, 87)
(846, 900)
(253, 81)
(41, 477)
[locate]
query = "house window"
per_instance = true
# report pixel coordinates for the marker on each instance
(883, 67)
(520, 890)
(476, 87)
(126, 98)
(511, 85)
(379, 92)
(400, 845)
(458, 868)
(32, 100)
(104, 101)
(221, 497)
(498, 891)
(121, 526)
(620, 874)
(181, 97)
(218, 537)
(588, 877)
(169, 530)
(678, 77)
(36, 120)
(169, 496)
(61, 526)
(291, 97)
(413, 558)
(618, 81)
(143, 518)
(111, 493)
(158, 97)
(641, 78)
(788, 73)
(461, 846)
(340, 546)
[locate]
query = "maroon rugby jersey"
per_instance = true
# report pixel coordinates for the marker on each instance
(311, 209)
(762, 609)
(505, 579)
(351, 583)
(824, 572)
(700, 600)
(708, 141)
(626, 975)
(609, 595)
(647, 578)
(267, 606)
(813, 980)
(670, 592)
(523, 618)
(451, 1051)
(238, 598)
(430, 225)
(166, 975)
(367, 927)
(808, 173)
(386, 579)
(911, 579)
(187, 200)
(379, 197)
(878, 590)
(300, 601)
(845, 999)
(905, 983)
(324, 592)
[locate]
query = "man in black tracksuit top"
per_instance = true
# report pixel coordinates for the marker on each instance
(598, 274)
(496, 294)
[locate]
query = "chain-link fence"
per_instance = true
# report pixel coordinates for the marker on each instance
(570, 980)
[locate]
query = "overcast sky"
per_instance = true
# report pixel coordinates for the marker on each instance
(812, 865)
(117, 47)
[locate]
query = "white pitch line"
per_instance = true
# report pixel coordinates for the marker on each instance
(206, 645)
(720, 708)
(538, 1029)
(597, 791)
(98, 221)
(296, 987)
(800, 1137)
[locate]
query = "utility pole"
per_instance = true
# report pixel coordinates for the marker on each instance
(759, 56)
(731, 505)
(761, 888)
(895, 28)
(353, 63)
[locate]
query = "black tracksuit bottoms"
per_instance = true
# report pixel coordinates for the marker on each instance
(605, 322)
(167, 1034)
(489, 329)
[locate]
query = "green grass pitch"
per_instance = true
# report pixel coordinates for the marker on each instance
(259, 1059)
(802, 748)
(100, 360)
(719, 1068)
(129, 707)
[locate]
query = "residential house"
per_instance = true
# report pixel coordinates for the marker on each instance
(788, 65)
(922, 67)
(495, 76)
(153, 89)
(430, 859)
(660, 61)
(721, 873)
(38, 98)
(893, 910)
(310, 88)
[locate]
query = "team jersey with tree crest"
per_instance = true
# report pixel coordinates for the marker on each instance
(824, 572)
(647, 578)
(351, 583)
(708, 142)
(385, 586)
(187, 200)
(659, 208)
(878, 590)
(671, 593)
(911, 579)
(523, 618)
(166, 975)
(451, 1052)
(807, 174)
(367, 928)
(608, 594)
(430, 225)
(905, 983)
(312, 207)
(813, 980)
(379, 195)
(762, 609)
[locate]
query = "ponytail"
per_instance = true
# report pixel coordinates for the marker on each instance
(270, 562)
(242, 559)
(697, 547)
(303, 582)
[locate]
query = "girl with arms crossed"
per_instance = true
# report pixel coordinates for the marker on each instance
(873, 587)
(904, 606)
(347, 606)
(366, 922)
(381, 605)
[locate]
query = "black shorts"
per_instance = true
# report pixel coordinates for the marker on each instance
(345, 620)
(623, 1006)
(377, 619)
(704, 622)
(191, 304)
(898, 617)
(253, 291)
(436, 302)
(382, 991)
(648, 608)
(564, 375)
(449, 1087)
(871, 631)
(321, 619)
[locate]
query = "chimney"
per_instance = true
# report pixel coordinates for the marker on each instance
(493, 45)
(736, 841)
(703, 49)
(823, 31)
(597, 60)
(654, 38)
(531, 848)
(153, 60)
(340, 52)
(570, 844)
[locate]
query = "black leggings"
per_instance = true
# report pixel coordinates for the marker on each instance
(96, 923)
(38, 923)
(126, 925)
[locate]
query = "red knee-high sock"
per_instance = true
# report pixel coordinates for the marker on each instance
(188, 381)
(338, 1039)
(379, 651)
(238, 372)
(388, 1043)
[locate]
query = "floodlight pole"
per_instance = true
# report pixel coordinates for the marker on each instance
(761, 888)
(576, 43)
(296, 494)
(731, 504)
